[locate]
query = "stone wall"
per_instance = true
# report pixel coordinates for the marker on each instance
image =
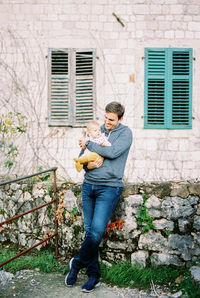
(154, 223)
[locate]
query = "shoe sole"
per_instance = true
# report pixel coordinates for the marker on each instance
(70, 266)
(89, 291)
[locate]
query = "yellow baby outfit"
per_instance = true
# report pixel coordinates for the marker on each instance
(84, 159)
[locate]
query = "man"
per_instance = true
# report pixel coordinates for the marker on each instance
(101, 191)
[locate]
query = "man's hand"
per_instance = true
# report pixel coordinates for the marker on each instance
(81, 143)
(95, 164)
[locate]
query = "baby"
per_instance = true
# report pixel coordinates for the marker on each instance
(93, 134)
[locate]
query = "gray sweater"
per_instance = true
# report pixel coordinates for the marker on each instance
(112, 170)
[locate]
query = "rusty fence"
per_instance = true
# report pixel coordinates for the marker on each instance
(54, 201)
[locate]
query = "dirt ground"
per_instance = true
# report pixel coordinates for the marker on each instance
(34, 284)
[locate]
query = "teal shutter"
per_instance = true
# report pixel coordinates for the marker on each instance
(168, 88)
(71, 86)
(155, 77)
(181, 88)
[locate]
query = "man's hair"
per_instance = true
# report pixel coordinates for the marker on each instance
(115, 107)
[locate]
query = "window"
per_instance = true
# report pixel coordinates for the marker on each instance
(168, 88)
(71, 86)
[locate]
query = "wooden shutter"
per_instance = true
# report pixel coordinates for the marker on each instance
(84, 110)
(168, 88)
(71, 86)
(59, 87)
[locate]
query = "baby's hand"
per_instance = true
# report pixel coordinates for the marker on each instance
(102, 143)
(82, 143)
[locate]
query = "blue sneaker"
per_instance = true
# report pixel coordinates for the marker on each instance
(92, 283)
(71, 277)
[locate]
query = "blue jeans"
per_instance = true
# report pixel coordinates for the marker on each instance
(99, 203)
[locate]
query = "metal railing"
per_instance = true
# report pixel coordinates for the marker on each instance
(55, 201)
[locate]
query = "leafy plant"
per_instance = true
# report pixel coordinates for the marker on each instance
(50, 190)
(167, 233)
(44, 176)
(11, 126)
(74, 213)
(144, 220)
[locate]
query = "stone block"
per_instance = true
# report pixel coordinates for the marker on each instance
(14, 186)
(159, 259)
(70, 200)
(37, 192)
(192, 9)
(176, 207)
(153, 202)
(189, 34)
(113, 257)
(130, 223)
(117, 245)
(163, 224)
(183, 244)
(5, 277)
(152, 241)
(155, 9)
(108, 27)
(195, 273)
(179, 34)
(22, 239)
(139, 258)
(97, 9)
(134, 200)
(164, 25)
(183, 225)
(169, 34)
(154, 213)
(196, 223)
(194, 26)
(181, 191)
(140, 9)
(177, 9)
(194, 189)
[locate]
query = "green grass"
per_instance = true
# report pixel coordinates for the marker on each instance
(122, 275)
(126, 275)
(44, 261)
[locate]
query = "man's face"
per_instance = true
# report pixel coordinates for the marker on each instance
(111, 121)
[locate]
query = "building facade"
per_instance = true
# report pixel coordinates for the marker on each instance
(62, 61)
